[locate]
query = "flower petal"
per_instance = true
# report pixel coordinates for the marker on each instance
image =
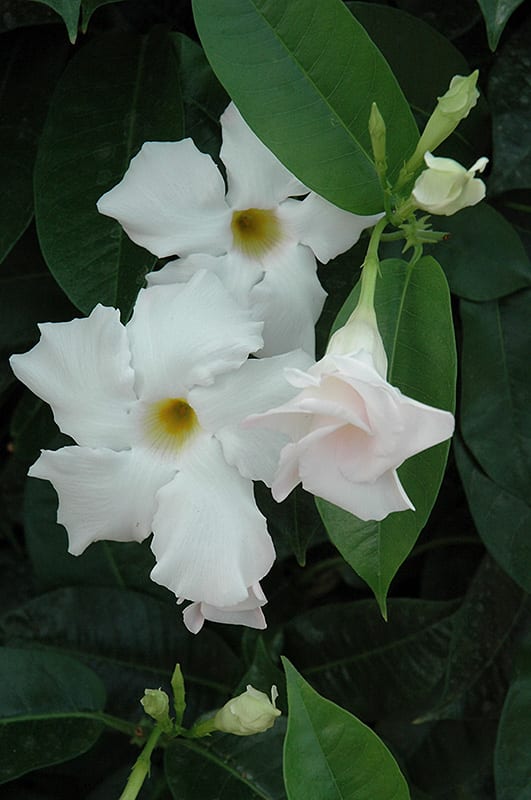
(186, 334)
(236, 274)
(289, 300)
(210, 540)
(259, 384)
(171, 201)
(81, 368)
(327, 229)
(103, 494)
(248, 613)
(255, 177)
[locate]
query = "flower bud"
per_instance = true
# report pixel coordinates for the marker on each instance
(249, 713)
(156, 704)
(360, 333)
(446, 187)
(377, 132)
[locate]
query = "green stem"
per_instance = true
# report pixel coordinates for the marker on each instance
(141, 767)
(200, 729)
(371, 264)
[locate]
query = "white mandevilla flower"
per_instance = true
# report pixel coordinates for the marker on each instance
(155, 407)
(446, 186)
(350, 428)
(262, 242)
(249, 713)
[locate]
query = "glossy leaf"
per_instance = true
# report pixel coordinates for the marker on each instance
(496, 389)
(45, 705)
(511, 757)
(295, 75)
(225, 767)
(69, 11)
(412, 306)
(508, 93)
(347, 649)
(27, 83)
(131, 640)
(496, 14)
(503, 520)
(328, 753)
(118, 92)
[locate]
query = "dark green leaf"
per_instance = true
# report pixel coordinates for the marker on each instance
(496, 13)
(297, 76)
(451, 19)
(502, 519)
(484, 258)
(330, 754)
(204, 98)
(29, 64)
(132, 641)
(496, 389)
(509, 84)
(414, 317)
(263, 674)
(118, 91)
(45, 705)
(88, 7)
(511, 757)
(227, 767)
(347, 650)
(69, 11)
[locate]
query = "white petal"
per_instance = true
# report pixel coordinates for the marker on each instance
(248, 613)
(102, 494)
(325, 228)
(289, 300)
(186, 334)
(81, 368)
(255, 177)
(259, 384)
(171, 201)
(210, 540)
(236, 274)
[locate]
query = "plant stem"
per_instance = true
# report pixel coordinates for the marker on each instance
(371, 264)
(141, 767)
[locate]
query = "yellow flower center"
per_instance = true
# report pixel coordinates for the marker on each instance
(255, 231)
(171, 423)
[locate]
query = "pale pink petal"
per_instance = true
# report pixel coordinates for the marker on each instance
(289, 300)
(258, 385)
(210, 540)
(236, 274)
(82, 369)
(103, 494)
(186, 334)
(255, 177)
(171, 201)
(322, 226)
(248, 613)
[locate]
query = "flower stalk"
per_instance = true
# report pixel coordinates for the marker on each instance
(141, 766)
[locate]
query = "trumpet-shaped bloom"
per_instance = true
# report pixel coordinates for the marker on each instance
(154, 407)
(446, 187)
(172, 200)
(350, 429)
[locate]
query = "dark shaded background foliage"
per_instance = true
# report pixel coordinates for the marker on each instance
(446, 682)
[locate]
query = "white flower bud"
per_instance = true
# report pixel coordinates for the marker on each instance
(446, 187)
(249, 713)
(156, 704)
(360, 333)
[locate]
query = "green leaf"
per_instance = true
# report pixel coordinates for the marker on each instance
(118, 92)
(46, 702)
(296, 76)
(88, 7)
(508, 93)
(484, 258)
(427, 75)
(414, 317)
(347, 649)
(227, 767)
(511, 757)
(69, 11)
(29, 64)
(204, 98)
(496, 14)
(496, 389)
(130, 640)
(502, 519)
(328, 753)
